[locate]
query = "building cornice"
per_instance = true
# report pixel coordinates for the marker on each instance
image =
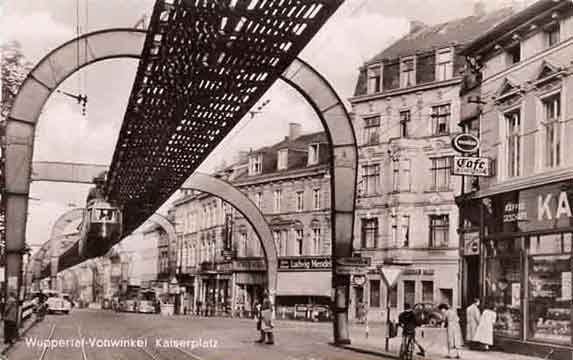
(539, 56)
(403, 91)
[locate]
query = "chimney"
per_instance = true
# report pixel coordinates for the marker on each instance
(416, 25)
(479, 8)
(242, 156)
(294, 130)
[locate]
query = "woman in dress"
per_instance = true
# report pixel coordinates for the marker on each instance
(484, 332)
(454, 331)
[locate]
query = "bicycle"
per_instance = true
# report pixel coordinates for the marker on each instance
(407, 347)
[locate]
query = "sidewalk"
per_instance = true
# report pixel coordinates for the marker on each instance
(28, 324)
(432, 339)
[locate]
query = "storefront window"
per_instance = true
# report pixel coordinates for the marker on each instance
(550, 288)
(374, 293)
(503, 284)
(409, 293)
(428, 292)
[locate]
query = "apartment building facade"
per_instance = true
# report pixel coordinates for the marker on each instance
(521, 215)
(289, 182)
(406, 110)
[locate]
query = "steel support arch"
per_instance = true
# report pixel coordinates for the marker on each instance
(49, 73)
(343, 177)
(44, 78)
(229, 193)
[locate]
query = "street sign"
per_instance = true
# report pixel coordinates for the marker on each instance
(351, 270)
(359, 280)
(391, 275)
(472, 166)
(465, 143)
(353, 261)
(352, 265)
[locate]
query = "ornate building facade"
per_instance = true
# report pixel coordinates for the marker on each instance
(406, 110)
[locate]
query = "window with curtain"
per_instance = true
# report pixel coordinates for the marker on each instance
(439, 231)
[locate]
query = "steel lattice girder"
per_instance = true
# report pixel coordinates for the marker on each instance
(204, 65)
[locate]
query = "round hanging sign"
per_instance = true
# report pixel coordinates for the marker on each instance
(465, 143)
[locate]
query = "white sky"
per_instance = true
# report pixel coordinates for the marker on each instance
(359, 30)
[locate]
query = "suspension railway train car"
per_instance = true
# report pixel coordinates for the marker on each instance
(101, 227)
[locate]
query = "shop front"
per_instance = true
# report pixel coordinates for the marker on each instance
(250, 279)
(304, 288)
(526, 268)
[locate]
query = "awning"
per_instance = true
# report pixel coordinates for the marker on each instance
(304, 283)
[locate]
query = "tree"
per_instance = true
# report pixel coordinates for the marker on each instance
(15, 68)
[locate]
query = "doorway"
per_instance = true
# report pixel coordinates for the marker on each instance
(472, 279)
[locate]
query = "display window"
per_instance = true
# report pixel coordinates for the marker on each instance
(549, 283)
(503, 284)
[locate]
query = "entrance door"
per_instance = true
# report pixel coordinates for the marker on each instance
(472, 279)
(359, 291)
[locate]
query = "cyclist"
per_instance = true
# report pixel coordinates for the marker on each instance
(409, 322)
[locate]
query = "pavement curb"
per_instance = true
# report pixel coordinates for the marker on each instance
(26, 328)
(368, 351)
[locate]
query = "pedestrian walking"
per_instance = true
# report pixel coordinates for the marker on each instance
(264, 314)
(454, 331)
(11, 319)
(472, 316)
(484, 331)
(259, 320)
(267, 325)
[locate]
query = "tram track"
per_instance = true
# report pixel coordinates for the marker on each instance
(159, 356)
(49, 349)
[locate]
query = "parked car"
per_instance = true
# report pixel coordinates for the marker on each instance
(58, 304)
(428, 315)
(321, 313)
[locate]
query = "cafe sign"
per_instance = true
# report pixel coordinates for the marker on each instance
(472, 166)
(539, 208)
(465, 143)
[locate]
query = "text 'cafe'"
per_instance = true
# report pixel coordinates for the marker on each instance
(523, 263)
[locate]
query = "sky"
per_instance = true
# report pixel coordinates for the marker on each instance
(355, 33)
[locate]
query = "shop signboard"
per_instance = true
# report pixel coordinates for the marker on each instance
(472, 166)
(418, 272)
(544, 207)
(245, 265)
(471, 243)
(566, 286)
(305, 263)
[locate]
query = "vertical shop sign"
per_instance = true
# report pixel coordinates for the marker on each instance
(515, 294)
(565, 286)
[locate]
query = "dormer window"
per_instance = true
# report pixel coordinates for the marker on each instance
(282, 162)
(407, 76)
(374, 79)
(513, 54)
(256, 164)
(313, 154)
(552, 35)
(444, 68)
